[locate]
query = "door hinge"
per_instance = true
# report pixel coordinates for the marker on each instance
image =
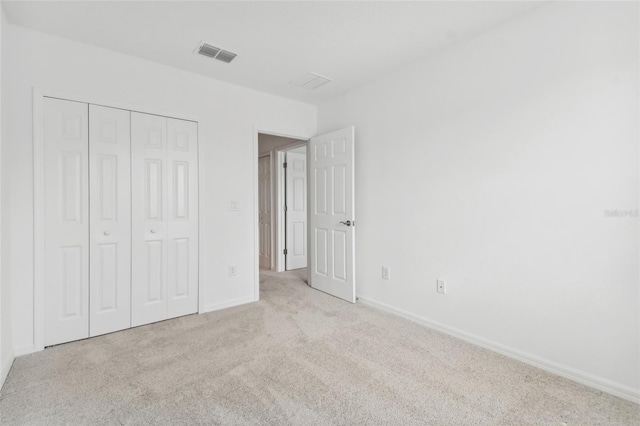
(285, 208)
(285, 252)
(284, 165)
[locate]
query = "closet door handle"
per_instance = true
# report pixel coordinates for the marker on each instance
(106, 233)
(153, 231)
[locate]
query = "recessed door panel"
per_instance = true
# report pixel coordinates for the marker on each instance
(73, 185)
(110, 219)
(66, 227)
(153, 190)
(154, 263)
(320, 194)
(71, 291)
(339, 255)
(339, 189)
(321, 253)
(181, 190)
(180, 280)
(107, 175)
(106, 277)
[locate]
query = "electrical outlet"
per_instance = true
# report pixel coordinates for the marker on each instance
(441, 286)
(386, 273)
(233, 271)
(234, 205)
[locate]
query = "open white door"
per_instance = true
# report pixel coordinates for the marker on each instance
(296, 213)
(332, 216)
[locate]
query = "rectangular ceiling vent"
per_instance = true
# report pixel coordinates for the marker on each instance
(210, 51)
(310, 81)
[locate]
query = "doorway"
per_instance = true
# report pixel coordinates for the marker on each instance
(282, 202)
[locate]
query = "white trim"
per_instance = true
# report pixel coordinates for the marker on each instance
(599, 383)
(201, 287)
(24, 350)
(38, 201)
(5, 368)
(228, 304)
(256, 216)
(279, 195)
(38, 221)
(272, 174)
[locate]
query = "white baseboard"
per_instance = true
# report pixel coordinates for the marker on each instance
(599, 383)
(4, 369)
(228, 304)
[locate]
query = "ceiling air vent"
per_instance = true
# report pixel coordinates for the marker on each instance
(210, 51)
(310, 81)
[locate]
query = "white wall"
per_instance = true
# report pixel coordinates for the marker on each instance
(228, 118)
(6, 345)
(491, 166)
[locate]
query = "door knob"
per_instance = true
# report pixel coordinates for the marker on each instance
(153, 231)
(106, 233)
(348, 223)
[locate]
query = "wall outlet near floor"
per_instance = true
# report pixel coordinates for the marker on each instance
(234, 205)
(441, 286)
(386, 273)
(233, 271)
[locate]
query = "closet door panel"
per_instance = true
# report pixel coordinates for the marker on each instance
(149, 180)
(182, 232)
(110, 219)
(66, 227)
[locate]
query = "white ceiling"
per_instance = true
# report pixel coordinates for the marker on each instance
(352, 43)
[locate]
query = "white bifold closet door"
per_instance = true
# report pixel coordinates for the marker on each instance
(110, 219)
(164, 218)
(120, 219)
(66, 221)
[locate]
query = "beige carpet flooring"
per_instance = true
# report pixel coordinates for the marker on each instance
(296, 357)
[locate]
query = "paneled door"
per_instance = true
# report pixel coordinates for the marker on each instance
(149, 253)
(332, 216)
(264, 210)
(182, 214)
(296, 214)
(164, 174)
(66, 221)
(110, 219)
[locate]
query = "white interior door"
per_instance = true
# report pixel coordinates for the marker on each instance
(296, 209)
(182, 230)
(66, 221)
(332, 216)
(164, 171)
(264, 210)
(149, 181)
(110, 219)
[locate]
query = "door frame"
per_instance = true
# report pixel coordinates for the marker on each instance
(38, 199)
(276, 176)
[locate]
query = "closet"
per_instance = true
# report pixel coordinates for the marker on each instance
(120, 219)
